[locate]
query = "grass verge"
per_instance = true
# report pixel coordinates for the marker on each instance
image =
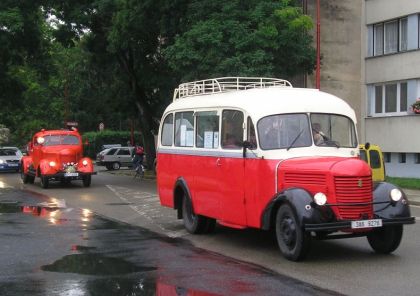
(410, 183)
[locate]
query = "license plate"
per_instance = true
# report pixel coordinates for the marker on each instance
(13, 164)
(71, 174)
(366, 223)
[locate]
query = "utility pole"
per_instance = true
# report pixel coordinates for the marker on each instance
(318, 46)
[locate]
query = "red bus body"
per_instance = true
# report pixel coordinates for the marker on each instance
(302, 189)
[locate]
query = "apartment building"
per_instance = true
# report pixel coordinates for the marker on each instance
(371, 58)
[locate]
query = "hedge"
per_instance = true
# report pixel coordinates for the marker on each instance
(94, 140)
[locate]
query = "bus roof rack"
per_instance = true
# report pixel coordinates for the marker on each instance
(226, 84)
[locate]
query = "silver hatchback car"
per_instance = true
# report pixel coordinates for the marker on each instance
(116, 157)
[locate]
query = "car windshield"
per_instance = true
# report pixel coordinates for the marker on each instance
(9, 152)
(53, 140)
(286, 131)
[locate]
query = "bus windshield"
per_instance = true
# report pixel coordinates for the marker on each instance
(285, 131)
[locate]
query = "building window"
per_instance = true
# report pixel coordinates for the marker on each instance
(403, 96)
(391, 37)
(389, 98)
(378, 99)
(401, 158)
(417, 158)
(387, 157)
(403, 34)
(379, 39)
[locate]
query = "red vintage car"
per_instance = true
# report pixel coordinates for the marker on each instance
(56, 155)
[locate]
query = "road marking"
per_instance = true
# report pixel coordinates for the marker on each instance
(146, 205)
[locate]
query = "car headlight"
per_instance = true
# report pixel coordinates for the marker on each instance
(1, 161)
(395, 194)
(320, 198)
(52, 163)
(85, 162)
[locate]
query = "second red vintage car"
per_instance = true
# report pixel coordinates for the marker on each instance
(56, 155)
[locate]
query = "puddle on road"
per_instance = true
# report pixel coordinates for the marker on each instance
(10, 207)
(94, 264)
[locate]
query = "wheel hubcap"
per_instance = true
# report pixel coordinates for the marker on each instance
(288, 231)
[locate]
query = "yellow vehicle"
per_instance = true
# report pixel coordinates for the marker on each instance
(372, 154)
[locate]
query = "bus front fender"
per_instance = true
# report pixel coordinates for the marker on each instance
(300, 200)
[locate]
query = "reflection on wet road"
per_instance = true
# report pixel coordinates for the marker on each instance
(50, 249)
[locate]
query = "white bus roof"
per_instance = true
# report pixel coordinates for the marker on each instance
(261, 102)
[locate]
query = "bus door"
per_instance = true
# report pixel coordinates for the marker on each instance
(231, 167)
(207, 188)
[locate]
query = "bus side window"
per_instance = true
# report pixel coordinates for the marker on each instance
(184, 129)
(232, 129)
(251, 136)
(167, 130)
(207, 129)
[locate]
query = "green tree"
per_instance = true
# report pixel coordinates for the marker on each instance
(242, 38)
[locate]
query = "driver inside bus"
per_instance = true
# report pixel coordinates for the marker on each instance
(319, 136)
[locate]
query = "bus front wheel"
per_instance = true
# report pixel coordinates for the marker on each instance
(292, 240)
(386, 239)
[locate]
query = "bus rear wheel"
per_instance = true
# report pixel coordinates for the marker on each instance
(193, 223)
(292, 240)
(385, 240)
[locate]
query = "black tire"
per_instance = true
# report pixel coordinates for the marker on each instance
(211, 225)
(108, 166)
(31, 179)
(293, 242)
(25, 177)
(193, 223)
(87, 180)
(385, 240)
(45, 182)
(116, 165)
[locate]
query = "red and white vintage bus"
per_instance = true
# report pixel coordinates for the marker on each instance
(256, 152)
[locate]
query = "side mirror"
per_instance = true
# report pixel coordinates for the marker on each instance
(367, 146)
(246, 144)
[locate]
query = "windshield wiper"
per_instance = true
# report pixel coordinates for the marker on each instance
(297, 137)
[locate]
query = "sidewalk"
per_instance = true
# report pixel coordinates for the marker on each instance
(413, 196)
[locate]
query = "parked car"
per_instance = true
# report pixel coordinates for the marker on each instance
(56, 155)
(115, 158)
(10, 158)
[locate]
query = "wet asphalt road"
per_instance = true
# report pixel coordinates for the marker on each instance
(48, 248)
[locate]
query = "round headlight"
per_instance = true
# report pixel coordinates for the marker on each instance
(1, 161)
(395, 194)
(52, 163)
(320, 198)
(85, 162)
